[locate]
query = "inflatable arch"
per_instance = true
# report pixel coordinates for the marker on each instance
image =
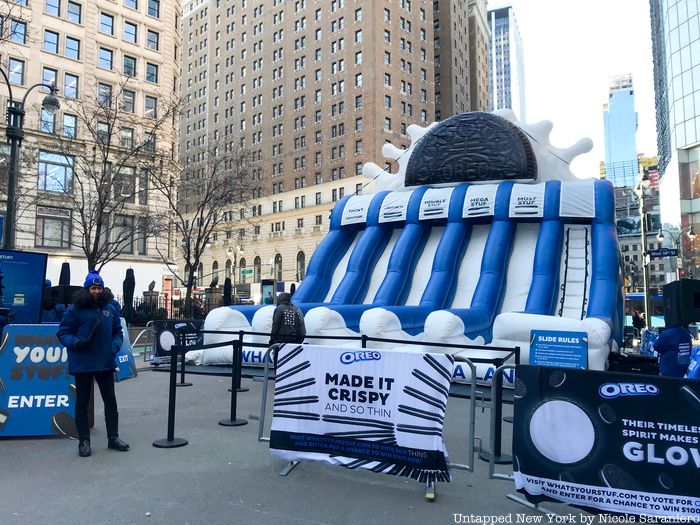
(483, 235)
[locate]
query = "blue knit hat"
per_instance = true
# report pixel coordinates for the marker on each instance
(93, 278)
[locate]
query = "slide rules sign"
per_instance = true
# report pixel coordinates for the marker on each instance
(382, 410)
(616, 442)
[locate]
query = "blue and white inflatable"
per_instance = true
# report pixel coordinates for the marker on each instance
(483, 235)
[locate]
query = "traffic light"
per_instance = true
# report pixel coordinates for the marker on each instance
(681, 273)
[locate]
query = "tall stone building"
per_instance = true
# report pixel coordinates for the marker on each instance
(311, 91)
(461, 57)
(100, 54)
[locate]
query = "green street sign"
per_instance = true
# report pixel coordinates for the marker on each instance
(247, 271)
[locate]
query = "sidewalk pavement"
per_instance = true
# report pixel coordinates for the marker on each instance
(224, 475)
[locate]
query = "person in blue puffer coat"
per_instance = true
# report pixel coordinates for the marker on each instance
(91, 331)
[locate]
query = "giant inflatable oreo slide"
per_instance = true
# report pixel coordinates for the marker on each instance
(483, 235)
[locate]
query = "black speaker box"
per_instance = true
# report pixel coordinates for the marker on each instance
(682, 302)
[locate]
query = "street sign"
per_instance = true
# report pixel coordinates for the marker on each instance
(663, 252)
(246, 271)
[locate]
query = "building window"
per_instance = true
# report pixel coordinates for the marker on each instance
(125, 185)
(154, 8)
(53, 227)
(104, 95)
(130, 32)
(150, 107)
(16, 71)
(301, 266)
(48, 122)
(256, 269)
(48, 76)
(18, 32)
(129, 66)
(128, 101)
(70, 85)
(151, 73)
(153, 40)
(50, 41)
(70, 125)
(55, 172)
(126, 138)
(53, 7)
(131, 4)
(105, 58)
(278, 267)
(102, 132)
(106, 24)
(123, 232)
(72, 48)
(75, 12)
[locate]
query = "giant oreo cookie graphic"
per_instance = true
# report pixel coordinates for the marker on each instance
(472, 147)
(4, 416)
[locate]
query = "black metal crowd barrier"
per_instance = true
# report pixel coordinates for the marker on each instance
(493, 455)
(171, 441)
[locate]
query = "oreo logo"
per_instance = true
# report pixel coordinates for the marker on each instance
(613, 390)
(351, 357)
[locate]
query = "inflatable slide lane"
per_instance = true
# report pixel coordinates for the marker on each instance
(483, 236)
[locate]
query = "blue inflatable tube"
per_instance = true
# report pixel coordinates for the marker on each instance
(330, 251)
(604, 290)
(368, 249)
(478, 318)
(544, 288)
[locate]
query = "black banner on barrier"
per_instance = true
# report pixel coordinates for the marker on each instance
(168, 334)
(612, 441)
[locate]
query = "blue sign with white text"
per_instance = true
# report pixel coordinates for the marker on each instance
(22, 285)
(37, 394)
(560, 349)
(125, 366)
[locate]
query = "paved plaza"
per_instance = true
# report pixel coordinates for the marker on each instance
(224, 475)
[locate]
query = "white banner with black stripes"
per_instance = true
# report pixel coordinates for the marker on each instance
(381, 410)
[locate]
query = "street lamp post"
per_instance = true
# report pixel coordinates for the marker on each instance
(233, 254)
(640, 190)
(15, 134)
(678, 244)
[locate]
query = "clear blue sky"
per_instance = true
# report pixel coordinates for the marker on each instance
(572, 48)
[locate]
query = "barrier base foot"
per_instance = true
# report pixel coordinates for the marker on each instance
(183, 384)
(254, 417)
(430, 491)
(290, 466)
(165, 443)
(502, 459)
(233, 422)
(242, 389)
(508, 419)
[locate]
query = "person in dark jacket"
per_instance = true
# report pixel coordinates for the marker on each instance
(91, 331)
(637, 321)
(287, 322)
(674, 346)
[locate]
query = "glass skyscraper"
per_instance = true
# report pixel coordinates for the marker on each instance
(620, 120)
(506, 64)
(675, 32)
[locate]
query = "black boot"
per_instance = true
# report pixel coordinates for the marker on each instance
(84, 448)
(113, 440)
(116, 443)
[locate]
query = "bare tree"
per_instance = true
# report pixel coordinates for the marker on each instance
(200, 200)
(112, 155)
